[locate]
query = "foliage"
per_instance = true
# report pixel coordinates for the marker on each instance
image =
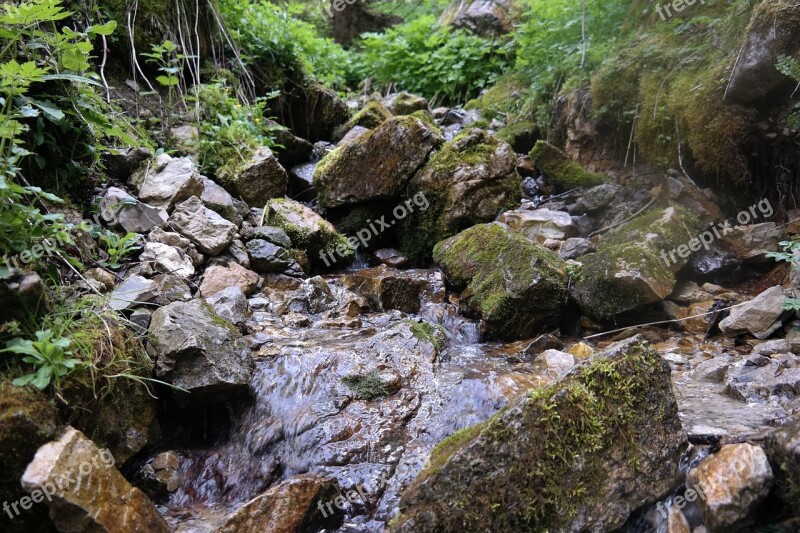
(367, 387)
(437, 62)
(119, 248)
(169, 61)
(278, 45)
(49, 356)
(789, 66)
(791, 254)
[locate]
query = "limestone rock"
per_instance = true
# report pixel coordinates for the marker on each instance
(386, 288)
(539, 225)
(133, 291)
(218, 278)
(167, 259)
(758, 317)
(120, 209)
(167, 181)
(208, 230)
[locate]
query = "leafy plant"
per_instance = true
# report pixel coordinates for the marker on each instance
(790, 67)
(119, 248)
(49, 356)
(791, 254)
(169, 61)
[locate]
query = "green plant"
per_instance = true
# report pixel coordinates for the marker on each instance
(119, 248)
(49, 356)
(367, 387)
(790, 254)
(790, 67)
(169, 61)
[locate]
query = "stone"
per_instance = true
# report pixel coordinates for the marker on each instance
(169, 238)
(560, 170)
(369, 117)
(575, 247)
(758, 316)
(558, 363)
(171, 288)
(271, 234)
(103, 277)
(782, 446)
(167, 181)
(205, 228)
(354, 133)
(596, 198)
(732, 482)
(230, 304)
(290, 506)
(102, 500)
(295, 150)
(121, 162)
(510, 282)
(405, 290)
(260, 179)
(198, 351)
(390, 257)
(763, 380)
(314, 112)
(218, 278)
(160, 477)
(140, 320)
(377, 165)
(403, 103)
(540, 224)
(133, 291)
(184, 139)
(487, 18)
(20, 293)
(167, 259)
(219, 200)
(266, 257)
(713, 370)
(536, 466)
(121, 210)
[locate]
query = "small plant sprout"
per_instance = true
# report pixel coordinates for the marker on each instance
(49, 356)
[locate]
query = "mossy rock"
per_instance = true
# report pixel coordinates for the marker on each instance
(471, 179)
(433, 334)
(512, 284)
(427, 117)
(369, 387)
(560, 170)
(555, 459)
(370, 116)
(404, 103)
(503, 99)
(522, 136)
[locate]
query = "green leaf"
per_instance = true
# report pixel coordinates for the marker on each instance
(103, 29)
(50, 110)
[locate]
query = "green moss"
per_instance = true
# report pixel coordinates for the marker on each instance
(425, 116)
(322, 238)
(427, 332)
(522, 136)
(450, 445)
(367, 387)
(370, 116)
(560, 170)
(504, 99)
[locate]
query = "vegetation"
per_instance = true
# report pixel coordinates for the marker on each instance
(367, 387)
(790, 254)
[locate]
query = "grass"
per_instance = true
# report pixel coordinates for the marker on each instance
(367, 387)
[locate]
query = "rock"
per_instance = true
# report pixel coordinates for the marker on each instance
(370, 117)
(763, 379)
(377, 165)
(105, 279)
(557, 362)
(596, 198)
(540, 225)
(198, 351)
(390, 257)
(20, 294)
(169, 238)
(167, 181)
(575, 247)
(713, 370)
(120, 209)
(133, 291)
(208, 230)
(760, 317)
(160, 477)
(313, 112)
(301, 182)
(560, 170)
(219, 278)
(581, 350)
(536, 466)
(469, 181)
(632, 267)
(287, 507)
(171, 288)
(754, 241)
(403, 103)
(731, 483)
(295, 150)
(313, 296)
(354, 133)
(266, 257)
(140, 320)
(184, 139)
(487, 18)
(522, 136)
(508, 281)
(230, 304)
(167, 259)
(271, 234)
(782, 447)
(98, 500)
(260, 179)
(309, 232)
(121, 162)
(219, 200)
(405, 290)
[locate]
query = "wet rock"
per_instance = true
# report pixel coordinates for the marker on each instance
(301, 186)
(405, 290)
(782, 446)
(205, 228)
(218, 199)
(390, 257)
(354, 133)
(764, 379)
(403, 103)
(290, 506)
(713, 370)
(101, 501)
(313, 296)
(760, 317)
(731, 483)
(377, 165)
(522, 136)
(560, 170)
(218, 278)
(314, 112)
(133, 291)
(558, 363)
(295, 150)
(487, 18)
(676, 522)
(230, 304)
(120, 209)
(160, 477)
(510, 282)
(514, 463)
(196, 350)
(184, 139)
(540, 225)
(469, 181)
(575, 247)
(270, 234)
(370, 117)
(167, 181)
(260, 179)
(266, 257)
(596, 198)
(167, 259)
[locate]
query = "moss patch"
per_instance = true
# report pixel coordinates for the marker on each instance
(370, 116)
(560, 170)
(367, 387)
(427, 332)
(522, 136)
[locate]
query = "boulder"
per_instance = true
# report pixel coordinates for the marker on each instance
(759, 317)
(596, 198)
(85, 492)
(271, 234)
(293, 505)
(390, 257)
(198, 351)
(403, 103)
(782, 447)
(469, 181)
(312, 112)
(579, 455)
(160, 477)
(487, 18)
(295, 150)
(510, 282)
(121, 210)
(539, 225)
(560, 170)
(231, 304)
(731, 483)
(121, 162)
(763, 379)
(405, 290)
(259, 179)
(370, 117)
(205, 228)
(266, 257)
(167, 259)
(377, 165)
(167, 181)
(575, 247)
(218, 278)
(218, 199)
(352, 134)
(132, 292)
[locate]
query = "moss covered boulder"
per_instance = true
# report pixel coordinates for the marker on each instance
(579, 455)
(560, 170)
(309, 232)
(522, 136)
(636, 265)
(403, 103)
(258, 179)
(376, 165)
(469, 181)
(370, 116)
(512, 284)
